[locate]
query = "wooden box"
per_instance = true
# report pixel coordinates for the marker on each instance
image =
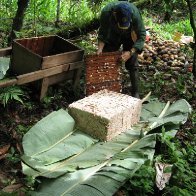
(103, 72)
(32, 54)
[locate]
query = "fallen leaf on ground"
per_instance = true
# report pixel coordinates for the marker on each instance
(12, 188)
(4, 149)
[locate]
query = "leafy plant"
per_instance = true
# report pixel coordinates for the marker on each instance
(158, 82)
(12, 93)
(22, 129)
(142, 183)
(182, 181)
(13, 156)
(4, 66)
(167, 30)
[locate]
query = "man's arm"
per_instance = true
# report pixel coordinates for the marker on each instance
(103, 30)
(140, 30)
(101, 45)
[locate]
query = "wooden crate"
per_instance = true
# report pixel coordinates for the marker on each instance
(32, 54)
(46, 59)
(103, 72)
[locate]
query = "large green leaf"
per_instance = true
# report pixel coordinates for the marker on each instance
(4, 66)
(51, 153)
(46, 140)
(92, 167)
(177, 113)
(92, 156)
(103, 179)
(152, 109)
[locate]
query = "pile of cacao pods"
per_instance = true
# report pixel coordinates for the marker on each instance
(165, 55)
(167, 59)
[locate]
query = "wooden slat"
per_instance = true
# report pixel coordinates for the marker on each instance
(48, 45)
(44, 88)
(76, 77)
(23, 61)
(8, 83)
(29, 44)
(76, 65)
(34, 45)
(37, 75)
(40, 46)
(67, 75)
(5, 51)
(63, 58)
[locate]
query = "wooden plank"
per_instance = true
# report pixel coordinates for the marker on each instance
(34, 45)
(40, 46)
(8, 83)
(23, 61)
(68, 75)
(48, 45)
(76, 78)
(5, 51)
(76, 65)
(29, 45)
(62, 58)
(44, 87)
(37, 75)
(62, 45)
(22, 42)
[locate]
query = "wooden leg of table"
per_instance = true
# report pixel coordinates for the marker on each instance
(44, 87)
(76, 77)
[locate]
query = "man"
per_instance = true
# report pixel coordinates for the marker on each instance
(122, 24)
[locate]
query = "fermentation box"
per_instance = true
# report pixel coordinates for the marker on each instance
(103, 72)
(32, 54)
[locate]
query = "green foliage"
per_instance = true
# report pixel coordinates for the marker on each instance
(142, 183)
(182, 181)
(78, 13)
(12, 93)
(41, 15)
(21, 129)
(181, 85)
(47, 100)
(167, 30)
(13, 156)
(7, 9)
(89, 48)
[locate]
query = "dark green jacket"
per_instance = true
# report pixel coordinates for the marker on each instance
(110, 34)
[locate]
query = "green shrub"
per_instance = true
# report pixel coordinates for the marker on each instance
(11, 93)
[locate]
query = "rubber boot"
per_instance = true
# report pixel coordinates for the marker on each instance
(134, 77)
(132, 67)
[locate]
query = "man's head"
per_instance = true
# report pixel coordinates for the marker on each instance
(123, 16)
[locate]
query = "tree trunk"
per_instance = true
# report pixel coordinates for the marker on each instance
(58, 13)
(192, 22)
(18, 19)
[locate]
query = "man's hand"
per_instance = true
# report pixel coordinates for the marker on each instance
(99, 51)
(100, 47)
(126, 55)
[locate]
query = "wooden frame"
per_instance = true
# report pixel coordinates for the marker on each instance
(48, 76)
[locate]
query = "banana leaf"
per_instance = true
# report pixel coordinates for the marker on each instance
(53, 139)
(4, 66)
(105, 178)
(102, 150)
(93, 167)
